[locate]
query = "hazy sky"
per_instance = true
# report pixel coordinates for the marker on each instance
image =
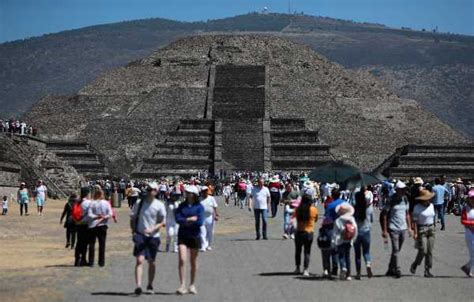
(25, 18)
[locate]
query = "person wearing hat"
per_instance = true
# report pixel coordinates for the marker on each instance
(415, 192)
(23, 198)
(41, 193)
(424, 231)
(467, 220)
(146, 220)
(260, 202)
(395, 220)
(275, 195)
(190, 217)
(210, 217)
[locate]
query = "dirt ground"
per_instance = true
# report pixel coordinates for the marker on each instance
(34, 263)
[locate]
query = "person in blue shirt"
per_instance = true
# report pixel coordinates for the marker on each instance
(190, 217)
(441, 194)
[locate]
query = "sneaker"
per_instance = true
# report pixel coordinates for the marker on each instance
(257, 238)
(149, 290)
(325, 274)
(193, 290)
(138, 291)
(67, 245)
(369, 272)
(343, 275)
(466, 270)
(348, 278)
(209, 248)
(167, 248)
(182, 290)
(292, 236)
(306, 273)
(285, 236)
(413, 268)
(334, 271)
(202, 250)
(358, 276)
(297, 271)
(265, 238)
(443, 228)
(175, 251)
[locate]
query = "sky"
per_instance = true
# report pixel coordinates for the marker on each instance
(21, 19)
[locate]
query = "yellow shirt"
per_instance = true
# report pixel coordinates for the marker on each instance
(308, 226)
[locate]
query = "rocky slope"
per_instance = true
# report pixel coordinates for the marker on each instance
(441, 65)
(125, 111)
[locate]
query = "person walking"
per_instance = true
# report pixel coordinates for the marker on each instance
(41, 193)
(242, 192)
(306, 216)
(441, 194)
(68, 222)
(275, 195)
(395, 223)
(424, 231)
(79, 214)
(23, 198)
(171, 225)
(260, 202)
(210, 217)
(98, 214)
(227, 192)
(190, 217)
(363, 214)
(345, 232)
(146, 220)
(467, 220)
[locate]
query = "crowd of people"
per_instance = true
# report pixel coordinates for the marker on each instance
(186, 211)
(13, 126)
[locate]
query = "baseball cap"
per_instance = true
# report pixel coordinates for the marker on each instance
(400, 185)
(152, 186)
(192, 189)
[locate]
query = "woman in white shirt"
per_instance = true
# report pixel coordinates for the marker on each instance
(41, 193)
(424, 231)
(210, 216)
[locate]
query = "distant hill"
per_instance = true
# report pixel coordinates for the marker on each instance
(435, 69)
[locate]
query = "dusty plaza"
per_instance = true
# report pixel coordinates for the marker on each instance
(276, 155)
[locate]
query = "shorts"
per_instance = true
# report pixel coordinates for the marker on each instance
(192, 243)
(146, 246)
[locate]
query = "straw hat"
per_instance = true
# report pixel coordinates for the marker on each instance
(459, 181)
(425, 195)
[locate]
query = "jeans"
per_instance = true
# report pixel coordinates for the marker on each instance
(264, 215)
(275, 198)
(439, 208)
(425, 245)
(99, 233)
(397, 238)
(362, 247)
(330, 260)
(344, 255)
(303, 240)
(469, 235)
(287, 223)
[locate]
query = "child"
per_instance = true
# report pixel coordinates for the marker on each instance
(4, 205)
(288, 222)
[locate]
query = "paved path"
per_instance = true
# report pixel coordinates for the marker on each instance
(241, 269)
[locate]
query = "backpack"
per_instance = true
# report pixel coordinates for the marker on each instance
(242, 186)
(76, 212)
(324, 238)
(349, 231)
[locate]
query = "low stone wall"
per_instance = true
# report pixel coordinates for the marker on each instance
(9, 174)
